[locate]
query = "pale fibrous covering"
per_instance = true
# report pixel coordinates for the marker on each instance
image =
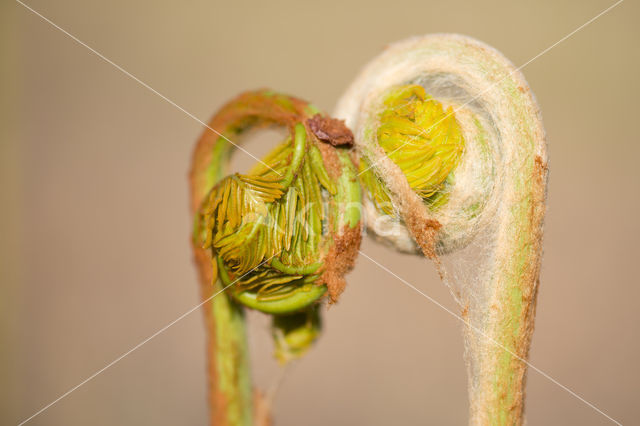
(485, 231)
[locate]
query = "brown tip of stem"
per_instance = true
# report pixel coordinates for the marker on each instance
(330, 130)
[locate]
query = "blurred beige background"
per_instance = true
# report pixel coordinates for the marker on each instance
(94, 228)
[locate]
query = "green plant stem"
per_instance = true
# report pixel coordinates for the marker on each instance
(503, 340)
(229, 379)
(229, 358)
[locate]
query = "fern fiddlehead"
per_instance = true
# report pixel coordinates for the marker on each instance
(277, 238)
(474, 202)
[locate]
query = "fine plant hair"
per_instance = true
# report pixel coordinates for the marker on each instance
(482, 223)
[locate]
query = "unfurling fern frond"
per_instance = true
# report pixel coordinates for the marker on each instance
(284, 234)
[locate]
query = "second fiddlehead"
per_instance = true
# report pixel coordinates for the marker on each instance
(474, 202)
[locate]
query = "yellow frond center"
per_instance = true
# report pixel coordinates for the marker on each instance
(420, 137)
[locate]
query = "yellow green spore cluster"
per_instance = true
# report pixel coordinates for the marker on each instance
(420, 137)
